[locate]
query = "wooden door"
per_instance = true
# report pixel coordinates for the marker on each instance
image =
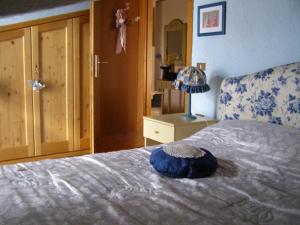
(16, 122)
(81, 41)
(53, 106)
(118, 92)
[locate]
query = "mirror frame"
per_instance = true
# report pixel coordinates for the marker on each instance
(176, 25)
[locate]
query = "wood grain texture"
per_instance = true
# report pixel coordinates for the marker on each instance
(16, 152)
(118, 92)
(6, 36)
(173, 99)
(36, 95)
(16, 123)
(95, 21)
(42, 123)
(149, 53)
(81, 43)
(28, 92)
(76, 70)
(52, 156)
(42, 21)
(189, 44)
(142, 69)
(53, 106)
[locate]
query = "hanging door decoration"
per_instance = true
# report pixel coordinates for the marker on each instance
(121, 25)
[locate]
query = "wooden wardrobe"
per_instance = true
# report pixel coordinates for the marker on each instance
(94, 99)
(54, 121)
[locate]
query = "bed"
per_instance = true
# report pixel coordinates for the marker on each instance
(257, 182)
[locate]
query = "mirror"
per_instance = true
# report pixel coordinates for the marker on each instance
(175, 43)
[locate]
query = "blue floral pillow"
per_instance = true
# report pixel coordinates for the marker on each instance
(272, 95)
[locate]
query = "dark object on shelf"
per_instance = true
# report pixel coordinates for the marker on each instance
(156, 101)
(166, 70)
(171, 76)
(167, 75)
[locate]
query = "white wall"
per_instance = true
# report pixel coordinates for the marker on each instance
(259, 34)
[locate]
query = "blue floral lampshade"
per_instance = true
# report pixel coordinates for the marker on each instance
(191, 80)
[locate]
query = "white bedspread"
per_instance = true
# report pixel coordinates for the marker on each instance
(257, 182)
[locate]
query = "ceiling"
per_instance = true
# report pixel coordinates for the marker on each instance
(12, 7)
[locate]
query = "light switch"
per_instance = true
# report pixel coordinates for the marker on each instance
(201, 66)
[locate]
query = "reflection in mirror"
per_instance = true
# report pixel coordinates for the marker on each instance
(175, 43)
(174, 40)
(169, 47)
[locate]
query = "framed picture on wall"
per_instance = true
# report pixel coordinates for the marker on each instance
(211, 19)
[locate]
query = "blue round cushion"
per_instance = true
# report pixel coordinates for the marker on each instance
(174, 167)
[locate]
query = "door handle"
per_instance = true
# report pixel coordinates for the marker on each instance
(36, 85)
(97, 63)
(92, 64)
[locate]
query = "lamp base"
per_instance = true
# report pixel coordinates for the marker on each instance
(189, 117)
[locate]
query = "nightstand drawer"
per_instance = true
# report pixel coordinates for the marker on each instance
(167, 128)
(158, 132)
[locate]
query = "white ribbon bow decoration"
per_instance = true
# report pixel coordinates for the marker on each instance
(121, 20)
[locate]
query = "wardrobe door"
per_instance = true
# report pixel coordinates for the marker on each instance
(118, 85)
(82, 74)
(16, 124)
(52, 65)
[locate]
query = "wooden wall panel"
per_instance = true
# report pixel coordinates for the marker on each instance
(16, 123)
(149, 54)
(189, 43)
(118, 87)
(36, 125)
(53, 106)
(43, 20)
(81, 37)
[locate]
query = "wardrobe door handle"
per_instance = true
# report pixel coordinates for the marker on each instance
(96, 65)
(92, 64)
(36, 85)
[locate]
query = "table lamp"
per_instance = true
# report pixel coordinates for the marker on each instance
(191, 80)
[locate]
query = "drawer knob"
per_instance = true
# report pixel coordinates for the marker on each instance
(157, 132)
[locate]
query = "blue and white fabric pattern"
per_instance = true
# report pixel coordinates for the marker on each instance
(272, 95)
(191, 80)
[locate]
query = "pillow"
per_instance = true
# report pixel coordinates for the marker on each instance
(183, 161)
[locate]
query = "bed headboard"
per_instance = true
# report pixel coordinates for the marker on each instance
(272, 95)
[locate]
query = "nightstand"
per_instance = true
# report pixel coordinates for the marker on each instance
(171, 127)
